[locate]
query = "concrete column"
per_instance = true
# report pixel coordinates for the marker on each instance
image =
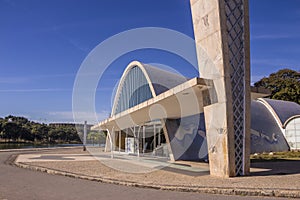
(144, 139)
(109, 142)
(154, 134)
(159, 135)
(120, 138)
(113, 139)
(138, 142)
(221, 29)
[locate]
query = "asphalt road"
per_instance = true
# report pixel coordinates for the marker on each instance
(18, 183)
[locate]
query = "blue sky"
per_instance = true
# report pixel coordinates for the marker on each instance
(44, 42)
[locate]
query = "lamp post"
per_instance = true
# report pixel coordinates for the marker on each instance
(84, 135)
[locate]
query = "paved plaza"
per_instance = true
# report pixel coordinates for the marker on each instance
(267, 178)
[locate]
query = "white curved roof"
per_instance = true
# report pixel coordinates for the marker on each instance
(163, 80)
(266, 133)
(157, 79)
(284, 111)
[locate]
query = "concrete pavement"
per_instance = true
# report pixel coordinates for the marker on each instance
(281, 179)
(17, 183)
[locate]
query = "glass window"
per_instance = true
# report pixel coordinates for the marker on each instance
(292, 133)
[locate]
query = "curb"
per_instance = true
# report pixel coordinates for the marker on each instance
(286, 193)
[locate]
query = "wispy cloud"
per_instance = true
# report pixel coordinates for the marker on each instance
(62, 75)
(26, 79)
(13, 80)
(100, 89)
(273, 37)
(77, 44)
(35, 90)
(276, 62)
(67, 116)
(73, 42)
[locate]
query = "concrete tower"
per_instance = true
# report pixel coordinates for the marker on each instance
(221, 30)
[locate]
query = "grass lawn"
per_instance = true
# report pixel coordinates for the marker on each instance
(275, 156)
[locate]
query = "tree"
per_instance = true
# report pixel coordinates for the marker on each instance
(39, 131)
(1, 125)
(25, 133)
(1, 122)
(13, 128)
(284, 85)
(11, 131)
(53, 134)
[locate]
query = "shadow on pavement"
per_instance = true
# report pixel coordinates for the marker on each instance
(186, 172)
(279, 167)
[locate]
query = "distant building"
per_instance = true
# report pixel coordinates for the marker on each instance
(59, 125)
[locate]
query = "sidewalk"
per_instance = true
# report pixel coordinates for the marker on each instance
(280, 179)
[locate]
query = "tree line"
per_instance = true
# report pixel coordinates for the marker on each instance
(20, 129)
(283, 84)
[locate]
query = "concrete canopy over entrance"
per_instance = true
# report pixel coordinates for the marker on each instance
(145, 98)
(174, 103)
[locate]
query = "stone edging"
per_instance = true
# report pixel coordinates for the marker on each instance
(209, 190)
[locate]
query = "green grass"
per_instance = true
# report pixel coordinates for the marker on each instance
(276, 156)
